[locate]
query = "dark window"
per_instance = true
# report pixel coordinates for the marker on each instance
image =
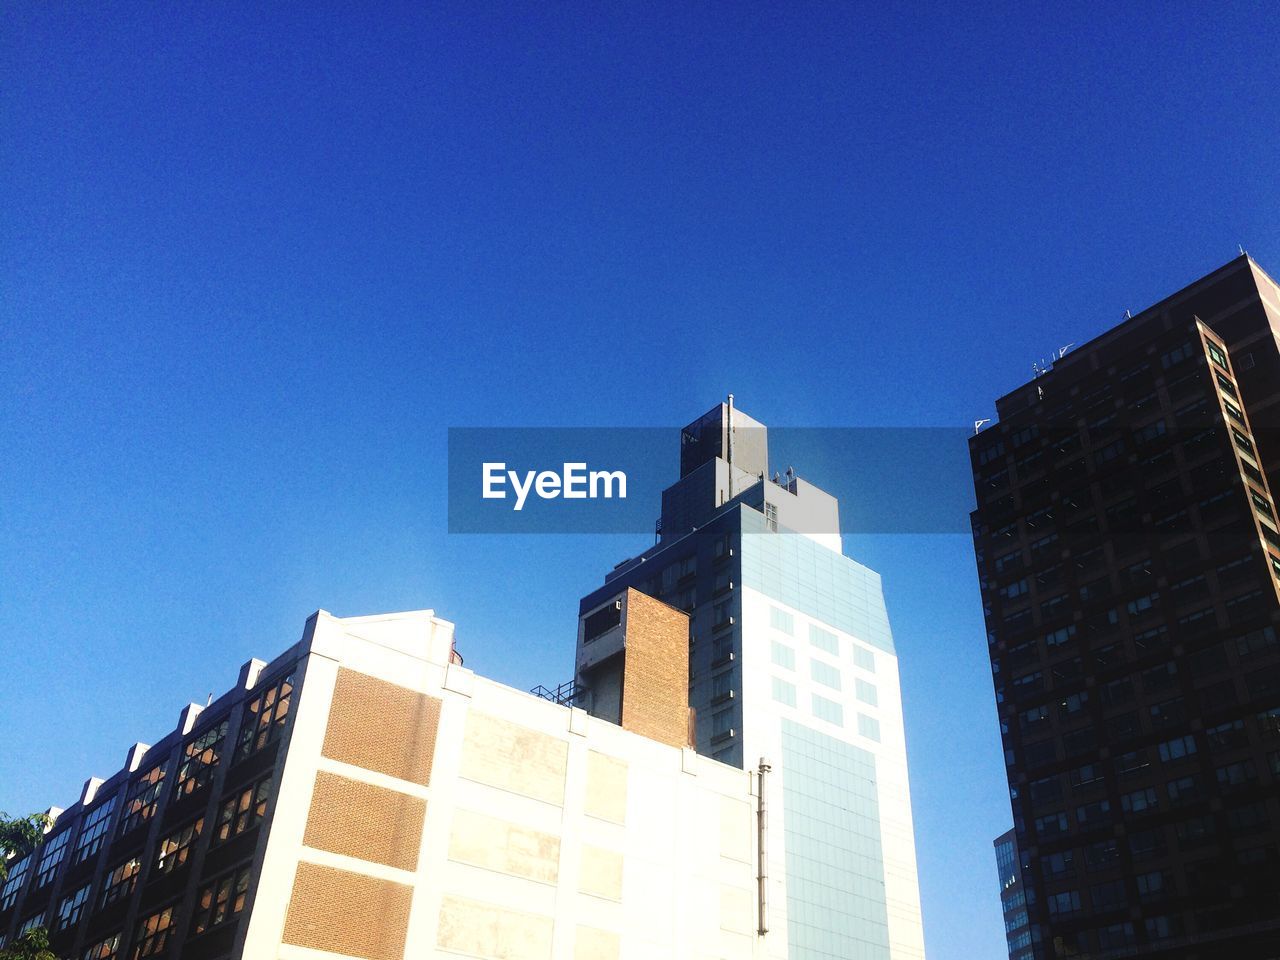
(52, 853)
(220, 900)
(176, 847)
(107, 949)
(606, 618)
(121, 880)
(265, 716)
(140, 802)
(153, 933)
(93, 830)
(70, 909)
(199, 758)
(242, 811)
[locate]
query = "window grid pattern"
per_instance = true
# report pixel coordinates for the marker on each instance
(121, 880)
(18, 871)
(52, 853)
(71, 907)
(220, 901)
(265, 717)
(200, 758)
(108, 949)
(153, 934)
(818, 582)
(242, 811)
(176, 847)
(140, 803)
(93, 831)
(835, 865)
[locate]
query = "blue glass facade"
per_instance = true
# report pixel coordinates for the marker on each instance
(819, 582)
(835, 867)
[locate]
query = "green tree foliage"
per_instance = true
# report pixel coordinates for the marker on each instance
(32, 945)
(19, 836)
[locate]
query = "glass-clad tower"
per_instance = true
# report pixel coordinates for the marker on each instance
(791, 661)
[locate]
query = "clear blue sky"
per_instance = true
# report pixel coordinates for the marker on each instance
(254, 262)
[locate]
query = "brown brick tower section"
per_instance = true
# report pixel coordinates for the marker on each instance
(655, 675)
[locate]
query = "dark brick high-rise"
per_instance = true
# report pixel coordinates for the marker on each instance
(1129, 561)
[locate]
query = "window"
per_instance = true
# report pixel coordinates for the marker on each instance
(121, 880)
(1168, 713)
(1102, 854)
(771, 517)
(199, 758)
(176, 847)
(18, 871)
(153, 934)
(1154, 885)
(1070, 707)
(868, 727)
(1135, 761)
(824, 640)
(244, 810)
(1217, 355)
(721, 649)
(1139, 800)
(1058, 865)
(1178, 748)
(1107, 896)
(721, 725)
(1045, 790)
(220, 901)
(784, 693)
(1051, 824)
(864, 659)
(93, 830)
(723, 614)
(33, 921)
(1237, 774)
(1151, 431)
(1184, 789)
(1057, 638)
(824, 674)
(1227, 735)
(1195, 831)
(1146, 843)
(70, 909)
(1226, 385)
(1091, 814)
(1019, 588)
(1086, 775)
(722, 687)
(264, 717)
(828, 710)
(1061, 904)
(107, 949)
(51, 855)
(993, 452)
(782, 655)
(781, 620)
(140, 801)
(866, 692)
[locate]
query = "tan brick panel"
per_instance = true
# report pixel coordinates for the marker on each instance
(381, 726)
(347, 913)
(655, 680)
(360, 820)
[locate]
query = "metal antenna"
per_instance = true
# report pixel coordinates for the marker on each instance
(977, 425)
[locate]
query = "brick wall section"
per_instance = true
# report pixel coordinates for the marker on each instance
(347, 913)
(380, 726)
(363, 821)
(655, 675)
